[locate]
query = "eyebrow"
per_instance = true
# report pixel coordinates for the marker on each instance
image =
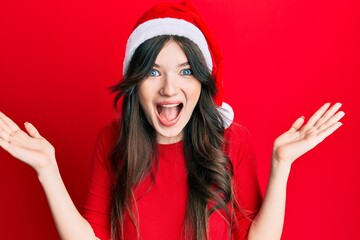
(180, 65)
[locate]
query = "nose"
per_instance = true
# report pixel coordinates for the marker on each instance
(169, 86)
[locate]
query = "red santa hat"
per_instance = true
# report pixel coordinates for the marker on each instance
(182, 19)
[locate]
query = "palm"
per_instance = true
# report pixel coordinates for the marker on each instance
(301, 138)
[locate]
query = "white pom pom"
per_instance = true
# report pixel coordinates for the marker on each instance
(227, 114)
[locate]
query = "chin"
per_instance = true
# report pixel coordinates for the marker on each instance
(166, 136)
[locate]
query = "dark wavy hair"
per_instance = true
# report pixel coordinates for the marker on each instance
(209, 170)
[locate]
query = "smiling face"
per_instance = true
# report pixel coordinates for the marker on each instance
(169, 94)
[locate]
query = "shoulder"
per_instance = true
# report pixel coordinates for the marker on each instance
(236, 134)
(237, 143)
(109, 134)
(106, 140)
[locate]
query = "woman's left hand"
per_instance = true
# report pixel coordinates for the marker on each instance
(301, 138)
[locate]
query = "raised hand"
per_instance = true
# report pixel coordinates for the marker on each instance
(29, 147)
(301, 138)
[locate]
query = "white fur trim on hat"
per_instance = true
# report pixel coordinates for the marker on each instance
(166, 26)
(227, 114)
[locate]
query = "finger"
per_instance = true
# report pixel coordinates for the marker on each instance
(328, 131)
(316, 116)
(33, 132)
(17, 151)
(336, 118)
(19, 138)
(4, 144)
(4, 135)
(9, 122)
(329, 113)
(8, 145)
(297, 124)
(4, 126)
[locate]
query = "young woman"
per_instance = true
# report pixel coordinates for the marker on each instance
(173, 166)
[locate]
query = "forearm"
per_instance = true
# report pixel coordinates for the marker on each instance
(69, 222)
(269, 222)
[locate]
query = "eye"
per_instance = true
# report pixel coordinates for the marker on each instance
(186, 72)
(154, 73)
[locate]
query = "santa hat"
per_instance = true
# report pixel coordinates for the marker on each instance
(181, 19)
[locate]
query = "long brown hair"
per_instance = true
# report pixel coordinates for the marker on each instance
(209, 170)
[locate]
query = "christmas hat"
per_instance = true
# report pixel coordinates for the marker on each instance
(182, 19)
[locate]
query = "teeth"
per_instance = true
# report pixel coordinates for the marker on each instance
(170, 105)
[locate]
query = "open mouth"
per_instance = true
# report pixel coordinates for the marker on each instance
(169, 113)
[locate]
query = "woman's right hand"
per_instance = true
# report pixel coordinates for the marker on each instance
(29, 147)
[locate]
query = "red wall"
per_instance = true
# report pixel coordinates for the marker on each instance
(282, 59)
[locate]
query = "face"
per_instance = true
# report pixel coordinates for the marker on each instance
(170, 93)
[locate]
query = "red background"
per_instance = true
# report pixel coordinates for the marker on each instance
(283, 59)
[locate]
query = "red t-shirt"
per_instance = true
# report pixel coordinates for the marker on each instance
(162, 208)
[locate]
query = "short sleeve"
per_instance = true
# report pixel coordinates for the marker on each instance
(246, 184)
(97, 207)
